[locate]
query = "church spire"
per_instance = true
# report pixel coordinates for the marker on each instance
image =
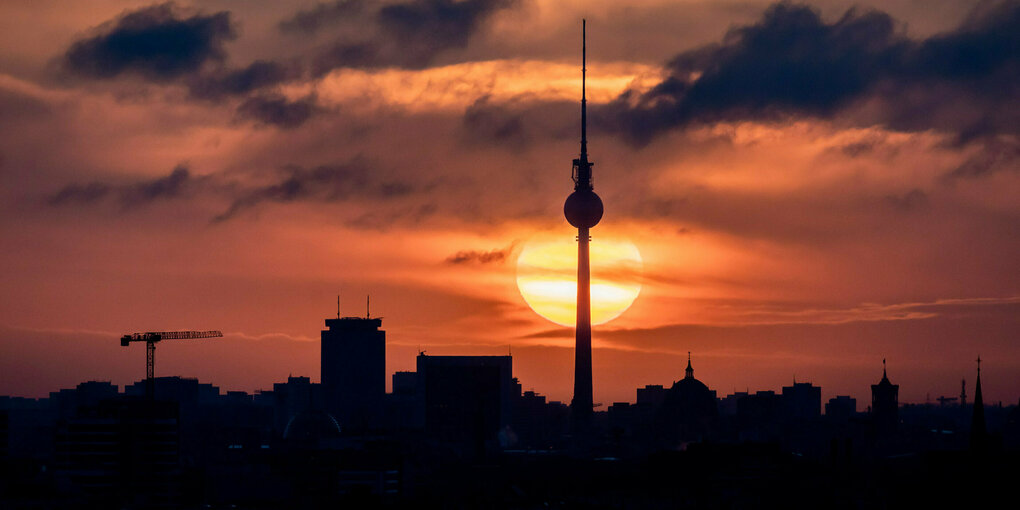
(977, 422)
(689, 373)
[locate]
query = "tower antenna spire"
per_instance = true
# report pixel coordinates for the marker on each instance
(337, 305)
(584, 99)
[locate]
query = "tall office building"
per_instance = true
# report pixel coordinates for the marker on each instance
(354, 370)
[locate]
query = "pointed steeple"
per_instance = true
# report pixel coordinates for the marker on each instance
(977, 423)
(689, 373)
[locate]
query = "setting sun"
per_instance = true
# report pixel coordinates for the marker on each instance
(547, 278)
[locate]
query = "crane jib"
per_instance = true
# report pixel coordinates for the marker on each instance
(155, 336)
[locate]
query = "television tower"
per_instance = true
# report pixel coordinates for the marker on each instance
(583, 210)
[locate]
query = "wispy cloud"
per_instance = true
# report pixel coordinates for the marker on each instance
(497, 256)
(175, 185)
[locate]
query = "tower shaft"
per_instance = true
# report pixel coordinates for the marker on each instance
(583, 402)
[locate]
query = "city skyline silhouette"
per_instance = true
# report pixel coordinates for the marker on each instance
(790, 196)
(785, 227)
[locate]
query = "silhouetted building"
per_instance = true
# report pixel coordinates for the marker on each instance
(123, 451)
(758, 416)
(466, 399)
(728, 404)
(188, 391)
(651, 394)
(297, 395)
(802, 401)
(404, 383)
(885, 404)
(67, 401)
(689, 411)
(535, 422)
(30, 427)
(5, 421)
(840, 408)
(403, 411)
(354, 370)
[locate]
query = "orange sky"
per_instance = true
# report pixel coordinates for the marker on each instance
(781, 235)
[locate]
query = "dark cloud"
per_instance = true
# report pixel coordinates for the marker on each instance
(352, 181)
(326, 183)
(173, 185)
(860, 148)
(409, 35)
(277, 110)
(497, 256)
(157, 42)
(80, 194)
(909, 201)
(437, 24)
(484, 121)
(383, 219)
(236, 82)
(161, 44)
(322, 15)
(792, 63)
(17, 105)
(994, 156)
(348, 54)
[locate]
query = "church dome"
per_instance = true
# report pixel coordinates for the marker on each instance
(311, 427)
(689, 410)
(689, 385)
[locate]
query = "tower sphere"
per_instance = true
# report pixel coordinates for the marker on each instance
(583, 208)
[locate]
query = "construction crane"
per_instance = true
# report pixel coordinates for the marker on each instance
(150, 338)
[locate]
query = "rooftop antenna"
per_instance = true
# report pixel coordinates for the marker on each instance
(368, 307)
(337, 305)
